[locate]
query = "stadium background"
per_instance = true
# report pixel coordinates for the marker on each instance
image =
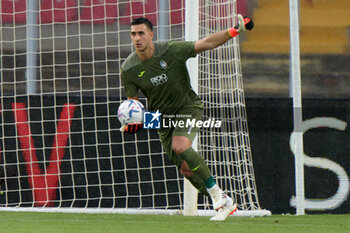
(265, 65)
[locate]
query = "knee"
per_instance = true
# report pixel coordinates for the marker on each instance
(179, 149)
(180, 144)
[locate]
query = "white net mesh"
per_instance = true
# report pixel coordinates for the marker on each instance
(226, 149)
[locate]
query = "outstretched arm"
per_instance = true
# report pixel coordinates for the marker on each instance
(215, 40)
(212, 41)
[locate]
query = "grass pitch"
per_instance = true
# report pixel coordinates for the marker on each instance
(107, 223)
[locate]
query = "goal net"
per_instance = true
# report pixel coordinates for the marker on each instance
(61, 148)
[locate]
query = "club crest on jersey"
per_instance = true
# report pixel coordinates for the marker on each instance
(163, 64)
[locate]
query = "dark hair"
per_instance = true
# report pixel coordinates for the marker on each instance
(141, 20)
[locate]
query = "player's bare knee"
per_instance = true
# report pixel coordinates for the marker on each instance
(180, 144)
(178, 149)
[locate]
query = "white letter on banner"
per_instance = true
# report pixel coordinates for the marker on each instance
(343, 190)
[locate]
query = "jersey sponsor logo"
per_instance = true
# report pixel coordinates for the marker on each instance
(141, 73)
(151, 120)
(163, 64)
(159, 79)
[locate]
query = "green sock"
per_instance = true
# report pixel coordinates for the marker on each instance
(209, 183)
(198, 184)
(196, 163)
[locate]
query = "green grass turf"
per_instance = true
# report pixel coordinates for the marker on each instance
(105, 223)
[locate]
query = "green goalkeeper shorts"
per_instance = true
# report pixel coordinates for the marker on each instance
(188, 115)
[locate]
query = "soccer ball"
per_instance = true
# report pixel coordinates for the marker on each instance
(130, 111)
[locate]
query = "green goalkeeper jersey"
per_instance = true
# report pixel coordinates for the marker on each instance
(163, 79)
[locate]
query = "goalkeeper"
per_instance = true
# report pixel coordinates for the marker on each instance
(159, 71)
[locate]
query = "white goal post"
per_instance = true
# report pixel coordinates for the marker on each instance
(295, 82)
(61, 148)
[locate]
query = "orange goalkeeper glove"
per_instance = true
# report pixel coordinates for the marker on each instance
(132, 128)
(244, 23)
